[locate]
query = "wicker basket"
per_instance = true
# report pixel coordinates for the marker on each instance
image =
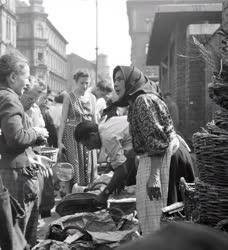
(215, 176)
(218, 92)
(213, 203)
(221, 119)
(215, 54)
(209, 55)
(213, 129)
(212, 157)
(50, 152)
(216, 58)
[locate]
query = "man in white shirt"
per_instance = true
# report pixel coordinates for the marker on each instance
(101, 91)
(114, 141)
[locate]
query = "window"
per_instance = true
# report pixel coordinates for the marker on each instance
(171, 67)
(148, 23)
(40, 56)
(134, 20)
(23, 30)
(146, 48)
(40, 31)
(8, 28)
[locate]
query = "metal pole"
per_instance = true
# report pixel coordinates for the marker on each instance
(96, 41)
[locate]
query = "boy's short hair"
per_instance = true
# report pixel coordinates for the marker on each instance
(104, 86)
(84, 129)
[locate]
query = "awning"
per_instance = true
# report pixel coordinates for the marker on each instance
(169, 15)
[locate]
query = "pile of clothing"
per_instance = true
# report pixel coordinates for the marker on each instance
(90, 230)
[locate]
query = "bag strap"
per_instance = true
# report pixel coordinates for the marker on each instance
(73, 100)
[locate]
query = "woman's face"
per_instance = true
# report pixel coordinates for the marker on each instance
(119, 84)
(82, 85)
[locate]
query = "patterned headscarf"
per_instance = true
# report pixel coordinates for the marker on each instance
(135, 83)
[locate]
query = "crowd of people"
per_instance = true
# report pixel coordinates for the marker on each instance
(135, 132)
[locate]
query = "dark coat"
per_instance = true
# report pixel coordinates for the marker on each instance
(18, 175)
(181, 165)
(14, 138)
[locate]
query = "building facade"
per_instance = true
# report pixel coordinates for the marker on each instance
(7, 26)
(141, 15)
(183, 71)
(42, 44)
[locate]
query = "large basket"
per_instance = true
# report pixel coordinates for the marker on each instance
(212, 157)
(218, 92)
(213, 203)
(213, 129)
(50, 152)
(209, 55)
(221, 119)
(215, 54)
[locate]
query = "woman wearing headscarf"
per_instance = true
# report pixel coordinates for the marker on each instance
(153, 138)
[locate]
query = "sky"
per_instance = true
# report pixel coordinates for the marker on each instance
(76, 21)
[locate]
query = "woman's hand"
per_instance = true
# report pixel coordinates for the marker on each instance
(153, 188)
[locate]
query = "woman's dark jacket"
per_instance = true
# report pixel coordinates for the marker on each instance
(14, 138)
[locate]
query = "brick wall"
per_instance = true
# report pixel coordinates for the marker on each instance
(189, 86)
(180, 78)
(190, 90)
(197, 87)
